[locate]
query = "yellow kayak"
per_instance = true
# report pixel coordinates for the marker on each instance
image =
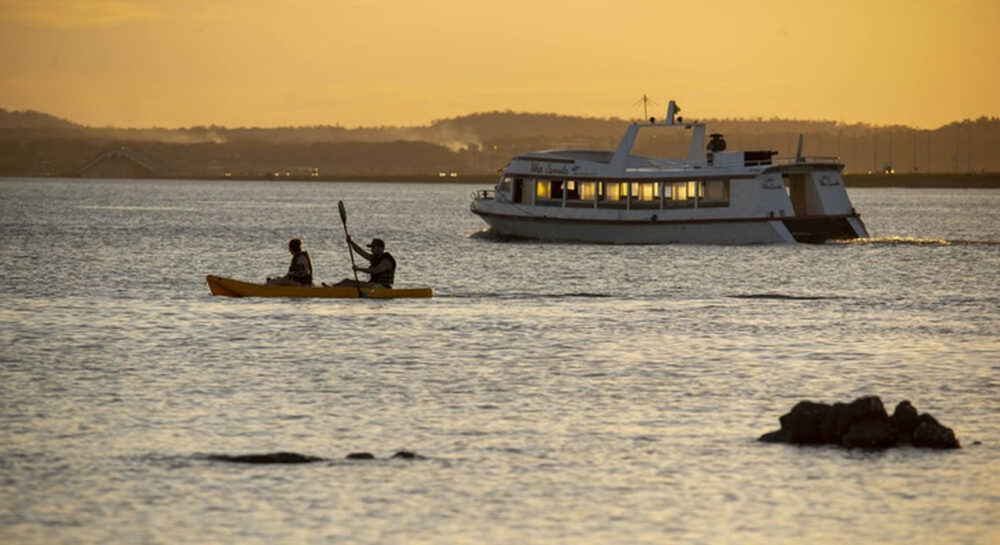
(227, 287)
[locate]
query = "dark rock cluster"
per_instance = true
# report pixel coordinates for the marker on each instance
(862, 423)
(267, 458)
(404, 454)
(296, 458)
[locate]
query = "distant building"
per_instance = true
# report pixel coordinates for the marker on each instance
(302, 172)
(122, 162)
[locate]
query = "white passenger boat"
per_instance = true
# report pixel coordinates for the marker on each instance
(714, 196)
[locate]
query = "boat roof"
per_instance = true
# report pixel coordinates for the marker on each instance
(602, 157)
(596, 156)
(621, 162)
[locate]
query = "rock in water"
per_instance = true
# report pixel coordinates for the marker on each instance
(871, 433)
(802, 425)
(407, 455)
(860, 410)
(905, 419)
(929, 433)
(835, 421)
(865, 424)
(862, 423)
(268, 458)
(776, 436)
(360, 456)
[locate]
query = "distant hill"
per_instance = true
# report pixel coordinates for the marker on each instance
(501, 125)
(30, 119)
(34, 143)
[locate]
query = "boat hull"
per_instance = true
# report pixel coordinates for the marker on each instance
(697, 231)
(228, 287)
(641, 232)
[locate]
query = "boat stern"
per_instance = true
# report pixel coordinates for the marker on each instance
(816, 230)
(821, 209)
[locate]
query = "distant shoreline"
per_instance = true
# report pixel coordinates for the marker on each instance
(973, 180)
(962, 180)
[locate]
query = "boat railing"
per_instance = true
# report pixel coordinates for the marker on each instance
(791, 160)
(483, 194)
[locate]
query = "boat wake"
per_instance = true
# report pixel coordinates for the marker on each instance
(490, 235)
(527, 295)
(915, 241)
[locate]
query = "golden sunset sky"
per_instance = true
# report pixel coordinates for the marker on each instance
(176, 63)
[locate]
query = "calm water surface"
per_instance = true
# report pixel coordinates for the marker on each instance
(560, 393)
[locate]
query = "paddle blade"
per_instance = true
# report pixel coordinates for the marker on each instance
(343, 212)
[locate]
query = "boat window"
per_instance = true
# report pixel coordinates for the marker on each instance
(572, 190)
(716, 190)
(543, 190)
(556, 189)
(549, 192)
(580, 194)
(613, 191)
(679, 194)
(678, 191)
(520, 195)
(613, 194)
(645, 194)
(646, 191)
(505, 183)
(682, 191)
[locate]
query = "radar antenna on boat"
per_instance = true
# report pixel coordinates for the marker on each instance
(645, 101)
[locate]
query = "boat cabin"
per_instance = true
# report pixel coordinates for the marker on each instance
(711, 195)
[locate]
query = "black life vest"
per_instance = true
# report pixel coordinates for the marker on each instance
(385, 278)
(301, 269)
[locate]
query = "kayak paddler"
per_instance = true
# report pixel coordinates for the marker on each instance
(381, 268)
(300, 271)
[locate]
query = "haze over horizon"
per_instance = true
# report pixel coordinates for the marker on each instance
(146, 63)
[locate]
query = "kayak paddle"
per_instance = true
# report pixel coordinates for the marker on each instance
(343, 219)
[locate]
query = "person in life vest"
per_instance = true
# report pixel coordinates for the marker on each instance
(381, 269)
(300, 272)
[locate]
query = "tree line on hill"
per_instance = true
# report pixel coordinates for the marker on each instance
(37, 144)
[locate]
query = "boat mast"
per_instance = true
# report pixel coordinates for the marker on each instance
(645, 101)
